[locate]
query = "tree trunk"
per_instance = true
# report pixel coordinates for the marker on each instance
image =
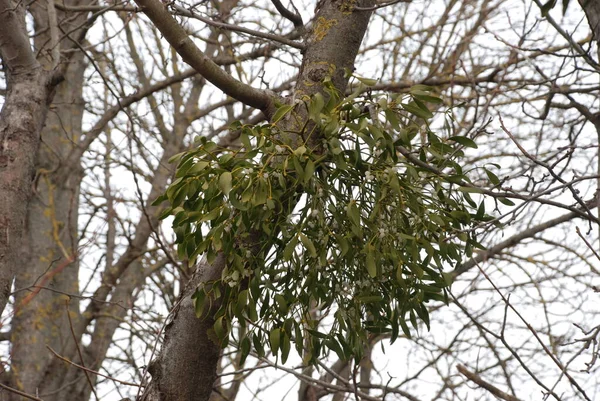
(29, 91)
(185, 369)
(50, 257)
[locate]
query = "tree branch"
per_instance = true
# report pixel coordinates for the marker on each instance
(62, 358)
(512, 241)
(15, 48)
(231, 27)
(19, 392)
(295, 18)
(191, 54)
(475, 378)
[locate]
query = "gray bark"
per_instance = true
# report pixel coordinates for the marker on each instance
(50, 251)
(29, 90)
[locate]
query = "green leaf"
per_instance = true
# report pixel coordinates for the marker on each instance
(219, 328)
(400, 278)
(289, 248)
(282, 305)
(200, 297)
(421, 88)
(424, 315)
(317, 334)
(225, 182)
(225, 159)
(243, 298)
(368, 299)
(300, 150)
(404, 327)
(285, 347)
(480, 211)
(353, 213)
(425, 96)
(176, 157)
(315, 106)
(198, 167)
(159, 200)
(165, 213)
(333, 345)
(274, 340)
(463, 140)
(492, 177)
(343, 244)
(298, 168)
(183, 169)
(256, 341)
(367, 81)
(251, 310)
(506, 201)
(244, 349)
(245, 139)
(393, 119)
(179, 196)
(260, 196)
(213, 214)
(416, 110)
(308, 244)
(371, 265)
(309, 170)
(471, 190)
(281, 112)
(395, 326)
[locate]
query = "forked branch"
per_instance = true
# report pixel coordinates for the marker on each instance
(191, 54)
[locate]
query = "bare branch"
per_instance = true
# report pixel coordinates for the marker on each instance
(475, 378)
(382, 5)
(295, 18)
(512, 241)
(62, 358)
(231, 27)
(191, 54)
(21, 393)
(15, 48)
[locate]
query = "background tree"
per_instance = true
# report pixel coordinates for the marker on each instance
(97, 272)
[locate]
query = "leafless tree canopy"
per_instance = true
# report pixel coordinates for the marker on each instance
(97, 96)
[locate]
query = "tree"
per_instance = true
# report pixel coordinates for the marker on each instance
(77, 223)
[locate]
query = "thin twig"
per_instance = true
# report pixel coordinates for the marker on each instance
(21, 393)
(475, 378)
(554, 359)
(62, 358)
(378, 6)
(586, 242)
(574, 192)
(76, 341)
(236, 28)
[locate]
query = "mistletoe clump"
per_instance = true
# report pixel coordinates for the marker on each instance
(358, 227)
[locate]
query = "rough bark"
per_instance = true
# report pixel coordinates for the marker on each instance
(29, 90)
(185, 368)
(50, 250)
(49, 253)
